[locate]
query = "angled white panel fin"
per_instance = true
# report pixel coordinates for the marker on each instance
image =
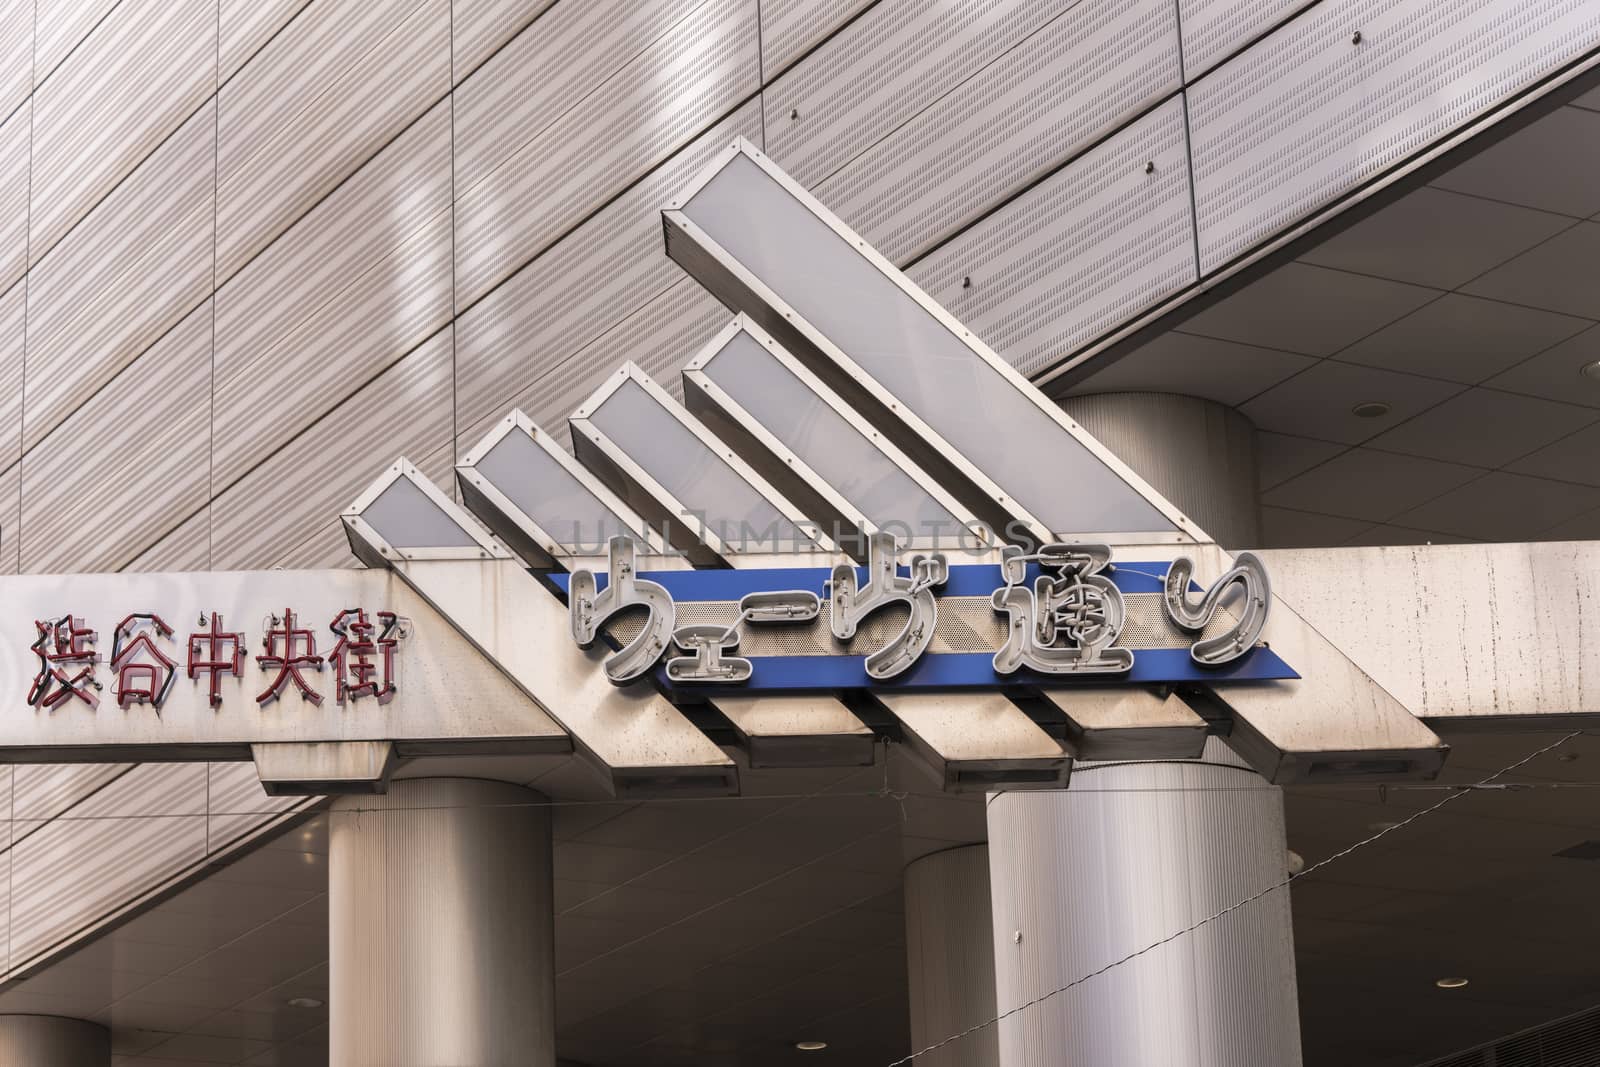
(637, 739)
(765, 246)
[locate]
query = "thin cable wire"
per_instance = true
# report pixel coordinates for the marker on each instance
(1213, 917)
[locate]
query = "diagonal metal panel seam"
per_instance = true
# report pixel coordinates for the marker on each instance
(1346, 208)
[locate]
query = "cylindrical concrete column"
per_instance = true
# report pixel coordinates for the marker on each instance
(441, 929)
(1134, 853)
(52, 1041)
(1199, 454)
(950, 956)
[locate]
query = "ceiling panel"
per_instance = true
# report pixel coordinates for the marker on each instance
(1283, 528)
(1502, 507)
(1556, 373)
(1463, 338)
(1307, 309)
(1485, 428)
(1281, 456)
(1185, 363)
(1574, 458)
(1558, 275)
(1585, 527)
(1319, 403)
(1385, 534)
(1549, 165)
(1438, 238)
(1364, 484)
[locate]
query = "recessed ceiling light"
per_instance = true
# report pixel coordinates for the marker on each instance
(1370, 409)
(1591, 370)
(304, 1002)
(1294, 861)
(1450, 983)
(1567, 757)
(810, 1046)
(1379, 827)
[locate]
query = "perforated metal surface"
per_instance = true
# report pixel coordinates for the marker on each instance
(1083, 73)
(1214, 28)
(1307, 115)
(1079, 253)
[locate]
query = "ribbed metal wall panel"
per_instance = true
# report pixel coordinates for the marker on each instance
(235, 804)
(288, 141)
(1212, 29)
(14, 156)
(16, 53)
(302, 486)
(358, 282)
(789, 27)
(13, 316)
(1308, 115)
(1078, 77)
(481, 29)
(60, 25)
(696, 72)
(187, 548)
(541, 74)
(885, 67)
(585, 284)
(1093, 244)
(147, 825)
(138, 263)
(124, 468)
(244, 27)
(121, 92)
(11, 519)
(42, 791)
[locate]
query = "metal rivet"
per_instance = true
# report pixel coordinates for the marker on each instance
(966, 282)
(794, 113)
(1016, 937)
(1150, 166)
(1355, 38)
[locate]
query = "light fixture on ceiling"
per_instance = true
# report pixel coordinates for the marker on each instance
(810, 1046)
(1380, 827)
(1294, 861)
(1591, 370)
(1371, 409)
(1450, 983)
(304, 1002)
(1567, 757)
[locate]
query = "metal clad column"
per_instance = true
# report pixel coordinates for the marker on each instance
(1199, 454)
(441, 928)
(1129, 855)
(1132, 853)
(52, 1041)
(950, 956)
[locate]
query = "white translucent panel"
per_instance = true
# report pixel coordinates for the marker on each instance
(696, 476)
(545, 491)
(912, 355)
(405, 517)
(825, 440)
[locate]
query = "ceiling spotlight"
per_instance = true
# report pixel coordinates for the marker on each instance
(1294, 861)
(1450, 983)
(810, 1046)
(304, 1002)
(1370, 409)
(1591, 371)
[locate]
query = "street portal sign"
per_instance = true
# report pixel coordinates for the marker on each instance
(826, 544)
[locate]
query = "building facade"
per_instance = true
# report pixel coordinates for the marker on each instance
(253, 252)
